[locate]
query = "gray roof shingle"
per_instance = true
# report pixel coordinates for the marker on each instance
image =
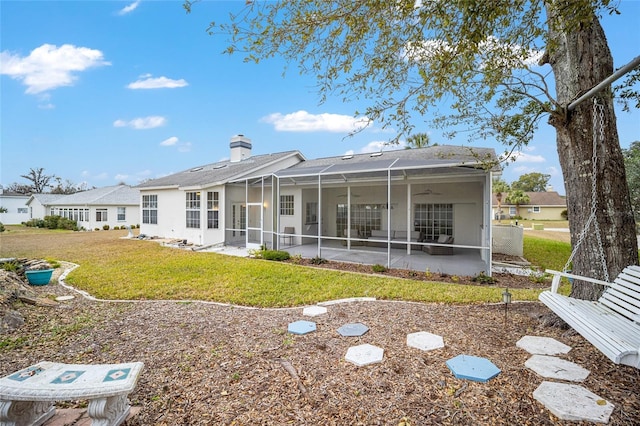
(217, 173)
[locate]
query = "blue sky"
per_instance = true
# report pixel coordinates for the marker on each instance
(109, 91)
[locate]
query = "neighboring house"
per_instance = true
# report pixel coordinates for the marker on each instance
(16, 206)
(406, 199)
(117, 205)
(547, 205)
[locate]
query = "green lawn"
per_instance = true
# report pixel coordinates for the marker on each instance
(116, 268)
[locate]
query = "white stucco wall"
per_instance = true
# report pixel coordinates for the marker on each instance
(17, 210)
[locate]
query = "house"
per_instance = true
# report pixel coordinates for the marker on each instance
(547, 205)
(97, 208)
(397, 205)
(15, 206)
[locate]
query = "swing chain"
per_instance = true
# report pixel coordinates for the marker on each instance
(598, 135)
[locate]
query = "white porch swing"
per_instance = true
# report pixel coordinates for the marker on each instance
(612, 323)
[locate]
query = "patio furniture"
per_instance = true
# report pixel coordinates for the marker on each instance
(378, 238)
(612, 323)
(288, 233)
(439, 249)
(354, 234)
(27, 396)
(401, 237)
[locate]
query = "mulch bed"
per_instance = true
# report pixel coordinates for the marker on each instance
(215, 364)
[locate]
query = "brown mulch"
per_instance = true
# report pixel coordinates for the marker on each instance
(213, 364)
(499, 279)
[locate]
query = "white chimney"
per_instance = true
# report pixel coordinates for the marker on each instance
(240, 148)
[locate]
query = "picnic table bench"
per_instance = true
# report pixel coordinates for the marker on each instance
(27, 396)
(612, 323)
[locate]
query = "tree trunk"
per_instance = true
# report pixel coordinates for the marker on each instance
(580, 59)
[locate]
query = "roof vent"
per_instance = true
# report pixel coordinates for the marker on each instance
(348, 157)
(196, 169)
(219, 166)
(376, 154)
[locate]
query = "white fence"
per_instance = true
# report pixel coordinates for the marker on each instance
(507, 239)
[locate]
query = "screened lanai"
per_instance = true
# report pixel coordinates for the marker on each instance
(406, 208)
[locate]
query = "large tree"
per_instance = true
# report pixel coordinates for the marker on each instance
(414, 58)
(632, 164)
(532, 182)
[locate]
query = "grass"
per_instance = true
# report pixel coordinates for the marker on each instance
(116, 268)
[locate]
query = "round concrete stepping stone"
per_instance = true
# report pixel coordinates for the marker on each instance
(425, 341)
(573, 402)
(552, 367)
(314, 311)
(472, 368)
(542, 345)
(353, 330)
(301, 327)
(364, 355)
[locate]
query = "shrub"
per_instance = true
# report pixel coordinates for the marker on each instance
(105, 227)
(564, 214)
(277, 255)
(378, 268)
(34, 223)
(64, 223)
(484, 279)
(51, 222)
(12, 266)
(1, 227)
(318, 260)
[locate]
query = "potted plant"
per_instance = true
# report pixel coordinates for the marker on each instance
(39, 276)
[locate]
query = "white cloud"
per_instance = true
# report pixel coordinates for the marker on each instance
(169, 141)
(302, 121)
(130, 8)
(142, 122)
(48, 67)
(508, 55)
(121, 177)
(374, 146)
(147, 82)
(523, 157)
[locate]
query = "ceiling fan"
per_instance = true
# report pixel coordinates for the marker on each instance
(427, 192)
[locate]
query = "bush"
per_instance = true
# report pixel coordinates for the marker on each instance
(378, 268)
(484, 279)
(1, 227)
(564, 214)
(318, 260)
(105, 227)
(277, 255)
(34, 223)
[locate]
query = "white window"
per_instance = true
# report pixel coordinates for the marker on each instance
(22, 210)
(312, 213)
(193, 209)
(286, 205)
(433, 220)
(122, 214)
(101, 215)
(213, 207)
(536, 209)
(150, 209)
(512, 211)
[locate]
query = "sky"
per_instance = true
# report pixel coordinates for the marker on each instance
(104, 92)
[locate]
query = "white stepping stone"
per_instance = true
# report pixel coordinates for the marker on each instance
(64, 298)
(573, 402)
(364, 355)
(552, 367)
(542, 345)
(425, 341)
(314, 311)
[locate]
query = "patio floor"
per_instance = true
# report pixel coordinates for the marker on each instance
(465, 262)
